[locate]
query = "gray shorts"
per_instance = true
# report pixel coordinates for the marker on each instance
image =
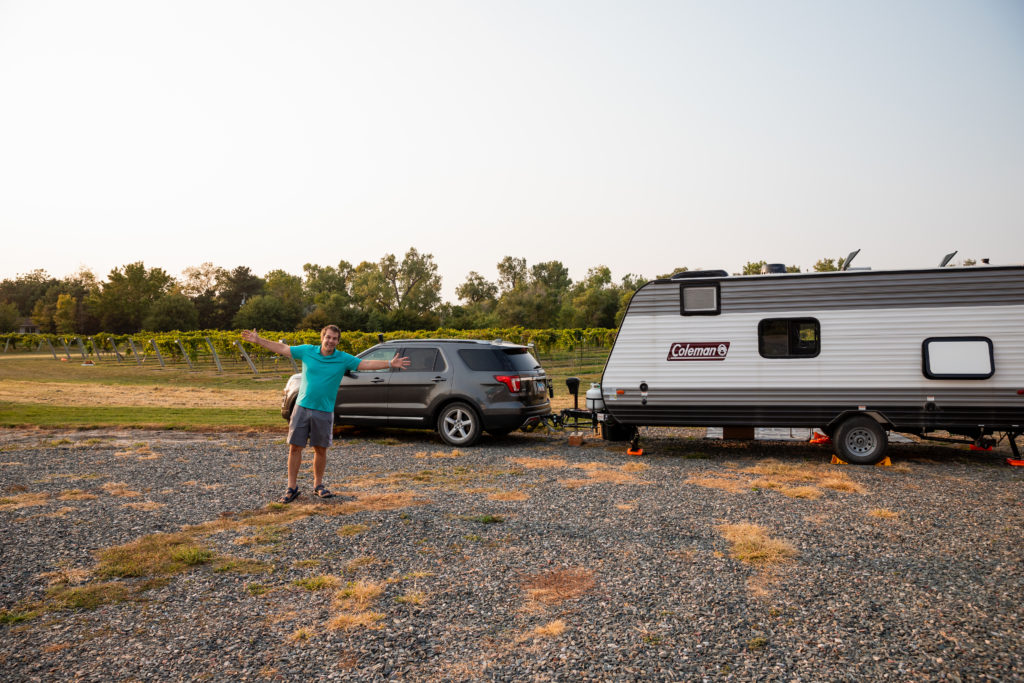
(314, 426)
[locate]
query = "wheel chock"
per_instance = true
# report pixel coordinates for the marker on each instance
(634, 451)
(837, 461)
(972, 447)
(884, 462)
(1014, 463)
(820, 439)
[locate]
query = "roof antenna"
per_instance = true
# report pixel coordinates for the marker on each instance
(947, 258)
(846, 263)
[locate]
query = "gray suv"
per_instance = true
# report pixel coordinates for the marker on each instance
(458, 387)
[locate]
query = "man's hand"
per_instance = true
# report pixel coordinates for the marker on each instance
(277, 347)
(399, 363)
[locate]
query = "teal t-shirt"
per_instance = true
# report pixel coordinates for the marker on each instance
(321, 375)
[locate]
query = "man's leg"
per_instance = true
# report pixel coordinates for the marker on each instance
(294, 461)
(319, 464)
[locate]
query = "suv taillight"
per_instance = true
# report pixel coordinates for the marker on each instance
(511, 381)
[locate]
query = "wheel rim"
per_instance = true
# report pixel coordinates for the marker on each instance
(458, 424)
(861, 441)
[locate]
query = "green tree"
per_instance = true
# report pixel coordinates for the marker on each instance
(9, 317)
(630, 283)
(792, 269)
(263, 312)
(42, 315)
(287, 289)
(125, 299)
(200, 284)
(476, 289)
(753, 267)
(594, 300)
(511, 273)
(174, 311)
(322, 282)
(234, 288)
(826, 265)
(411, 285)
(26, 289)
(65, 314)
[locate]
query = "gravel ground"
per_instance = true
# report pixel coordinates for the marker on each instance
(521, 558)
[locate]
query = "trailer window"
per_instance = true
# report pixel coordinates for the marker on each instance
(699, 299)
(958, 358)
(789, 338)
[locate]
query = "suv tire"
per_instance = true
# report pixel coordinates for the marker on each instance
(458, 424)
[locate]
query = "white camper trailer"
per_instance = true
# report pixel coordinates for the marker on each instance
(856, 353)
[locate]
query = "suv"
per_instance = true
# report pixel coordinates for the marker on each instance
(459, 387)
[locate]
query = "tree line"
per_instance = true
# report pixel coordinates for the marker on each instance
(390, 294)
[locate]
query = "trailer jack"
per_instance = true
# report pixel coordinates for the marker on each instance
(634, 443)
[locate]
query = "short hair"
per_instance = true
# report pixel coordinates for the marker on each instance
(330, 328)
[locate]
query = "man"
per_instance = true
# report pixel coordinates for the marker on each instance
(313, 416)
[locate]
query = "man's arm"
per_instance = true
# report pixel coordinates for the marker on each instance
(396, 362)
(277, 347)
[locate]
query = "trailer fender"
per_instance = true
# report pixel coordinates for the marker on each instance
(877, 416)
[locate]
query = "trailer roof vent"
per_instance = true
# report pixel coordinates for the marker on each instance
(686, 274)
(773, 268)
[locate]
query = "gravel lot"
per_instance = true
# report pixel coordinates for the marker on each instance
(521, 558)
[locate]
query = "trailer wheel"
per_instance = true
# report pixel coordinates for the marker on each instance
(860, 440)
(616, 432)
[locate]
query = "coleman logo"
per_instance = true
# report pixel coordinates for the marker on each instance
(698, 351)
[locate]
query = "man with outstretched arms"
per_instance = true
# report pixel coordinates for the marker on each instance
(312, 419)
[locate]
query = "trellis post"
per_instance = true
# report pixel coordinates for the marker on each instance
(131, 345)
(81, 348)
(216, 358)
(50, 344)
(117, 353)
(185, 353)
(156, 348)
(246, 357)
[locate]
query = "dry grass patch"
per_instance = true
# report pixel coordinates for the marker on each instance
(625, 507)
(381, 501)
(509, 496)
(76, 494)
(722, 483)
(552, 629)
(353, 529)
(23, 500)
(300, 635)
(89, 596)
(349, 620)
(361, 562)
(153, 555)
(806, 492)
(358, 595)
(66, 576)
(412, 598)
(541, 463)
(147, 506)
(57, 514)
(602, 473)
(119, 489)
(318, 583)
(883, 513)
(750, 543)
(559, 585)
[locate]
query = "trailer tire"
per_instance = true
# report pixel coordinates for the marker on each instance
(616, 432)
(860, 440)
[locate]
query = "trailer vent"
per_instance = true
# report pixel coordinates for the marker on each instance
(699, 299)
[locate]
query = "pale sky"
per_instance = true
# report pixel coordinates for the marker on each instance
(641, 135)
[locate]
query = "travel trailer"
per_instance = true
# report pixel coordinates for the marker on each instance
(856, 353)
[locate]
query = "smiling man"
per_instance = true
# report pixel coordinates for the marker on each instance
(312, 419)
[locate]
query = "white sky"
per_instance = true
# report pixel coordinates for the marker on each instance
(642, 135)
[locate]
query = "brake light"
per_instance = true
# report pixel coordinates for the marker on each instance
(511, 381)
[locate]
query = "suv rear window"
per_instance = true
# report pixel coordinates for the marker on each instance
(498, 360)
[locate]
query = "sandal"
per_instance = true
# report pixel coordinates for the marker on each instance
(289, 495)
(322, 492)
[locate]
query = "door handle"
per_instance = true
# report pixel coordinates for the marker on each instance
(439, 379)
(377, 380)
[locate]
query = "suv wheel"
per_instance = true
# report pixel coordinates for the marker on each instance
(458, 425)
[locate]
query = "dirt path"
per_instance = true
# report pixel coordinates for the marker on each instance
(65, 394)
